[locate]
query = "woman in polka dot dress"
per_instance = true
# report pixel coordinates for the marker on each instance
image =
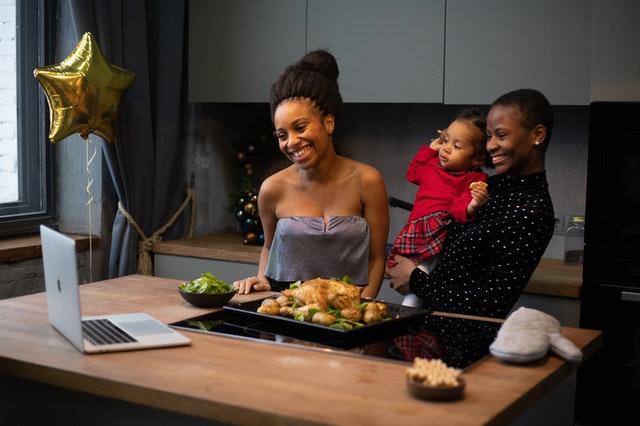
(486, 263)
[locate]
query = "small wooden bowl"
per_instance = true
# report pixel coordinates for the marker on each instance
(436, 393)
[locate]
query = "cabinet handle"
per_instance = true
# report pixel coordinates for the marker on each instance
(630, 296)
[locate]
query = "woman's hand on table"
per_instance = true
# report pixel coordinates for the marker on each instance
(250, 284)
(400, 273)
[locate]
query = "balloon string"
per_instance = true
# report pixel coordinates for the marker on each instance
(89, 161)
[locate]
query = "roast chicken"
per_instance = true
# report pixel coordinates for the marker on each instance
(325, 294)
(331, 302)
(326, 302)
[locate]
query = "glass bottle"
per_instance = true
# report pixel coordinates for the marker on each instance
(574, 241)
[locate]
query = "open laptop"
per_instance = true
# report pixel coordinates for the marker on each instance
(106, 333)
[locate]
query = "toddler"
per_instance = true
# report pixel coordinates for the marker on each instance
(446, 172)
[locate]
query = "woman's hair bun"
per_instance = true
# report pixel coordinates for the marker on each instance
(313, 77)
(322, 62)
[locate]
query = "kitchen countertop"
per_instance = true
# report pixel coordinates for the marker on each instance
(248, 382)
(551, 278)
(226, 246)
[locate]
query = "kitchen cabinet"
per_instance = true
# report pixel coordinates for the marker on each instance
(387, 51)
(224, 255)
(615, 68)
(564, 309)
(495, 46)
(427, 51)
(553, 288)
(188, 268)
(238, 48)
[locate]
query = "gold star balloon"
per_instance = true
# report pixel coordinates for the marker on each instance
(84, 92)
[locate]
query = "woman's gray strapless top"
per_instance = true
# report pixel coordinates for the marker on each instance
(302, 249)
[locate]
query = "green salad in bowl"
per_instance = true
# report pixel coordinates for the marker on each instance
(206, 291)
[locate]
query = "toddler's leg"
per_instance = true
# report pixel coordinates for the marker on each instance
(427, 266)
(412, 300)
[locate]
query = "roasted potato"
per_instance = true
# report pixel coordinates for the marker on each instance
(371, 313)
(383, 309)
(302, 311)
(284, 301)
(286, 311)
(323, 318)
(351, 314)
(269, 307)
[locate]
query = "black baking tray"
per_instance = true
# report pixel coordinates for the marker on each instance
(400, 318)
(459, 342)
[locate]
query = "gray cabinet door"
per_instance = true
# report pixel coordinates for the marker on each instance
(615, 68)
(186, 268)
(238, 48)
(493, 46)
(387, 50)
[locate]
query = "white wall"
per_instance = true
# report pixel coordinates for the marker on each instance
(8, 112)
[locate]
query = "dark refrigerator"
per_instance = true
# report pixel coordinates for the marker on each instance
(608, 385)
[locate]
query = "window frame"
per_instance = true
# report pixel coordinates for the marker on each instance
(35, 46)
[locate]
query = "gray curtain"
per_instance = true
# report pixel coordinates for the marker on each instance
(145, 161)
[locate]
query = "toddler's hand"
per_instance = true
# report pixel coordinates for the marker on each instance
(436, 143)
(479, 196)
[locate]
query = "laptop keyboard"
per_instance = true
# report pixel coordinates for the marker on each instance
(104, 332)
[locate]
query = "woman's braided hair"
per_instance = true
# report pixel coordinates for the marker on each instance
(314, 77)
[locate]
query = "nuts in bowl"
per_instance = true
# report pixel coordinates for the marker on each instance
(206, 291)
(432, 379)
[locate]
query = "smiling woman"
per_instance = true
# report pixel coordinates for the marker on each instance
(485, 265)
(325, 215)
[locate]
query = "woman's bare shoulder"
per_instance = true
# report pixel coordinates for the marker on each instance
(277, 179)
(367, 172)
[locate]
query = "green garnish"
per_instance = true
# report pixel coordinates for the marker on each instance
(346, 324)
(361, 306)
(346, 279)
(205, 325)
(206, 284)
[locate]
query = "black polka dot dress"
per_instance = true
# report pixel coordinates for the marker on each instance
(486, 263)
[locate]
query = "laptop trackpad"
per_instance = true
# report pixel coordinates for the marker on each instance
(144, 327)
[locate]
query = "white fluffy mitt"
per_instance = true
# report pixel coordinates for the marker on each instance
(527, 335)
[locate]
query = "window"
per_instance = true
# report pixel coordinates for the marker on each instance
(27, 39)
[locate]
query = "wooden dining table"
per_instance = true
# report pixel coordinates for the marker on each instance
(227, 380)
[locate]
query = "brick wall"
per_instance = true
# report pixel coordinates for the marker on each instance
(26, 276)
(8, 117)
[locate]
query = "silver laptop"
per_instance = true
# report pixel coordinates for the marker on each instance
(106, 333)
